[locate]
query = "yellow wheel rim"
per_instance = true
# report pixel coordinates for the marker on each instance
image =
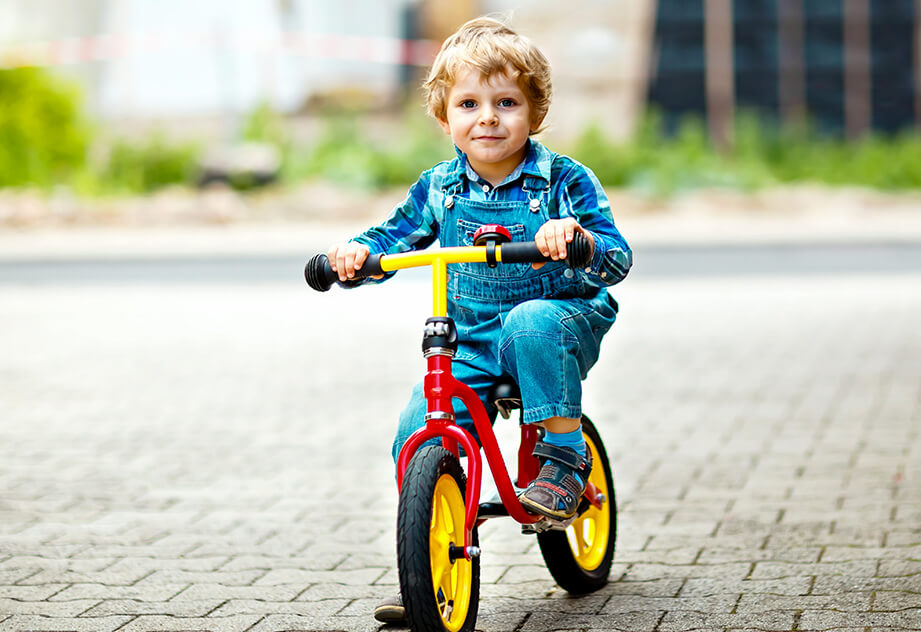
(452, 581)
(588, 534)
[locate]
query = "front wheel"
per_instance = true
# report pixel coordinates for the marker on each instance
(440, 587)
(580, 558)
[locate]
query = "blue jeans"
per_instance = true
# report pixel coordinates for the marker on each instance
(546, 345)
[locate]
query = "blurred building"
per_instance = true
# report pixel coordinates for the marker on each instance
(848, 66)
(173, 59)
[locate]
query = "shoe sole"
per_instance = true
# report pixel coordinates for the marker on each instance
(391, 614)
(543, 511)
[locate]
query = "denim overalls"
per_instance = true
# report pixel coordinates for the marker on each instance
(541, 327)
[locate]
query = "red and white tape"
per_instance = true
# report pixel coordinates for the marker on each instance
(109, 47)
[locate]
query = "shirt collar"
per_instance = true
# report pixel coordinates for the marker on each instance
(536, 163)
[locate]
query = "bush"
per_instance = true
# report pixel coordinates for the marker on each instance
(763, 154)
(43, 134)
(150, 165)
(346, 154)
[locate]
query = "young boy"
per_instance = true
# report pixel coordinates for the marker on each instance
(489, 89)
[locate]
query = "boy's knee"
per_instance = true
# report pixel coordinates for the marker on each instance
(535, 330)
(538, 317)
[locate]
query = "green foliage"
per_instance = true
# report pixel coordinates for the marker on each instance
(43, 134)
(762, 155)
(149, 165)
(346, 154)
(265, 125)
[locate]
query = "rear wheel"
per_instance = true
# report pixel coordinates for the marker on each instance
(440, 587)
(580, 558)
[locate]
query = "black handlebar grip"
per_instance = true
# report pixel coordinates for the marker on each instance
(579, 251)
(320, 276)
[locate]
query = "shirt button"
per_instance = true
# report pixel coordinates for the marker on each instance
(534, 205)
(485, 188)
(588, 269)
(568, 273)
(604, 275)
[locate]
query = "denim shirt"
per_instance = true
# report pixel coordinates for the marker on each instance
(574, 191)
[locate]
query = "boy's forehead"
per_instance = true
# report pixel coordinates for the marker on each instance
(468, 74)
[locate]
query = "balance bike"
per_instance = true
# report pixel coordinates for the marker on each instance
(438, 554)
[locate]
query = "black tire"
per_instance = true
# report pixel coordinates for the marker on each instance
(589, 570)
(423, 530)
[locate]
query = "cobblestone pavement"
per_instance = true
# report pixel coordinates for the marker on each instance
(216, 457)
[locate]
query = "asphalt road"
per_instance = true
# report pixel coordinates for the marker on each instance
(783, 260)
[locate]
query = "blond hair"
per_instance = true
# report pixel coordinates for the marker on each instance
(490, 47)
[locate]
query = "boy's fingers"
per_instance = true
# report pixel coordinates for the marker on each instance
(360, 258)
(561, 243)
(541, 242)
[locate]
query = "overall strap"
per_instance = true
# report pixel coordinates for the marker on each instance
(453, 184)
(538, 190)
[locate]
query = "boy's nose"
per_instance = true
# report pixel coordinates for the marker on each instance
(488, 116)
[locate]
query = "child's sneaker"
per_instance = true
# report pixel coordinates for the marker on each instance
(559, 486)
(391, 610)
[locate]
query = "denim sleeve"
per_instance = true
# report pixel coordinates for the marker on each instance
(583, 198)
(410, 226)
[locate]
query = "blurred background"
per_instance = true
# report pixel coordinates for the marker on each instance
(101, 99)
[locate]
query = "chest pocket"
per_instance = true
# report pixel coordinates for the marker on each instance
(465, 232)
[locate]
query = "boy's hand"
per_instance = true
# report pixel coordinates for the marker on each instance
(551, 238)
(346, 258)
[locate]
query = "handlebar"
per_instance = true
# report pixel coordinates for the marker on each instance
(320, 276)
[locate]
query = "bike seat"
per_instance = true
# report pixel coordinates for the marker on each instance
(505, 395)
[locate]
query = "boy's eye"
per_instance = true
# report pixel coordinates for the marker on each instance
(506, 103)
(468, 103)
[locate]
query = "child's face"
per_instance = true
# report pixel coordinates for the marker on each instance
(489, 121)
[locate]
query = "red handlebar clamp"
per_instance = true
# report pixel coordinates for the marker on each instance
(489, 235)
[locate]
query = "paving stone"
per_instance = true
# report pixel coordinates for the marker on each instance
(777, 570)
(58, 609)
(681, 621)
(292, 576)
(32, 623)
(830, 584)
(184, 608)
(848, 602)
(297, 623)
(145, 592)
(31, 593)
(651, 588)
(220, 592)
(643, 572)
(827, 619)
(718, 586)
(228, 578)
(633, 603)
(566, 621)
(314, 608)
(723, 555)
(161, 623)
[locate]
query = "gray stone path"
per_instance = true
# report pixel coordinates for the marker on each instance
(216, 457)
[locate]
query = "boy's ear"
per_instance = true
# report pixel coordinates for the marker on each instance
(444, 125)
(535, 125)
